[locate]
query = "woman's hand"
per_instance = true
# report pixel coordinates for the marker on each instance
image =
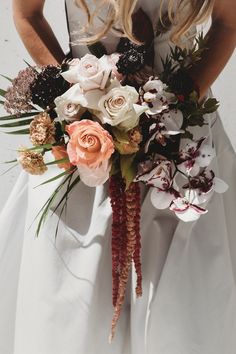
(220, 45)
(36, 33)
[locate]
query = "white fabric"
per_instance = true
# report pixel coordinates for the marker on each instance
(56, 294)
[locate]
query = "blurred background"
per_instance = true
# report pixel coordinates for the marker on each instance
(11, 61)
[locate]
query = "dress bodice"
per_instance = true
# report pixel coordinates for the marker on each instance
(76, 19)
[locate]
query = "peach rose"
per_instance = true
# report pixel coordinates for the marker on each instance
(59, 152)
(89, 143)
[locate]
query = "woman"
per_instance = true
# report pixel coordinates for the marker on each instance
(60, 300)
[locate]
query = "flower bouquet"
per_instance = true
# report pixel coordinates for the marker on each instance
(112, 119)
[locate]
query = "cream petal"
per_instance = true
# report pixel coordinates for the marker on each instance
(154, 85)
(188, 215)
(75, 95)
(220, 186)
(139, 109)
(195, 196)
(207, 153)
(71, 75)
(161, 199)
(92, 98)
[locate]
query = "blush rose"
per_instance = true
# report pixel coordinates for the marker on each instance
(89, 144)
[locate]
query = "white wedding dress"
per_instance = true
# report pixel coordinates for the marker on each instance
(56, 295)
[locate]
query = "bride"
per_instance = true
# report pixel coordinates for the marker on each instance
(56, 294)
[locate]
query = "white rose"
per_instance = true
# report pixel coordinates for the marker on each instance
(93, 177)
(119, 107)
(90, 72)
(68, 106)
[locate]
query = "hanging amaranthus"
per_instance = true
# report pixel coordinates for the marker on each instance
(117, 244)
(126, 244)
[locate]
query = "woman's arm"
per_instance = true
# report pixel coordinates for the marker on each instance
(36, 33)
(220, 45)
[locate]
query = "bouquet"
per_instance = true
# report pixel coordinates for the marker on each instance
(112, 119)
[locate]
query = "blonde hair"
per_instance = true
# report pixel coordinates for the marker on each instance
(180, 15)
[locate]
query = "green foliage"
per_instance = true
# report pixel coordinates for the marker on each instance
(19, 132)
(71, 169)
(2, 92)
(44, 211)
(6, 77)
(20, 116)
(16, 123)
(183, 58)
(128, 168)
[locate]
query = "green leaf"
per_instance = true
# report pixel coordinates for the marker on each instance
(194, 96)
(18, 132)
(30, 66)
(2, 92)
(46, 207)
(210, 105)
(21, 116)
(40, 147)
(69, 189)
(6, 77)
(9, 169)
(57, 161)
(56, 177)
(187, 135)
(2, 102)
(128, 168)
(16, 123)
(10, 161)
(120, 135)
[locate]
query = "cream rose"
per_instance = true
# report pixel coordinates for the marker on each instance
(89, 144)
(119, 107)
(90, 72)
(69, 105)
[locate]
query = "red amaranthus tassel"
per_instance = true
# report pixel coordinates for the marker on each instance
(117, 195)
(137, 250)
(128, 238)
